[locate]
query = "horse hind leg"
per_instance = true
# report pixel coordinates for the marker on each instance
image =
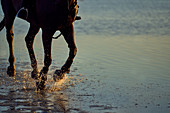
(69, 37)
(9, 16)
(29, 39)
(68, 34)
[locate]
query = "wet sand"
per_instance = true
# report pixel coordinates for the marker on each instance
(125, 75)
(119, 69)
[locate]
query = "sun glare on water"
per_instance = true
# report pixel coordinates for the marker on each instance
(57, 86)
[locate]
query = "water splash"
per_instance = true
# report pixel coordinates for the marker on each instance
(57, 86)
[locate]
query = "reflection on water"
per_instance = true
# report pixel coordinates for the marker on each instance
(27, 100)
(19, 94)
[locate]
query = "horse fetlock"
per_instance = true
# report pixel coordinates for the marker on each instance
(65, 69)
(43, 74)
(11, 71)
(34, 64)
(45, 70)
(34, 74)
(11, 60)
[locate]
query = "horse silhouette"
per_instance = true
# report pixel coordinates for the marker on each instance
(50, 16)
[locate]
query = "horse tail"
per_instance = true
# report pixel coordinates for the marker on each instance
(2, 24)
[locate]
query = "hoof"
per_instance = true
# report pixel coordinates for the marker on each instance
(11, 71)
(40, 85)
(34, 74)
(42, 81)
(58, 75)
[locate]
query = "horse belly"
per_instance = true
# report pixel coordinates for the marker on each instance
(51, 13)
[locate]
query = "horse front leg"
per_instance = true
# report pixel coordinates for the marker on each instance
(47, 43)
(10, 37)
(29, 39)
(68, 34)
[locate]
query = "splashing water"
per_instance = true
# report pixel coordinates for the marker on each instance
(23, 80)
(19, 93)
(57, 86)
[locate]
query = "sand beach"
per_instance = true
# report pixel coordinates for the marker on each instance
(122, 64)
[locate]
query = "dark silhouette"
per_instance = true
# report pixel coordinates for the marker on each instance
(49, 15)
(26, 4)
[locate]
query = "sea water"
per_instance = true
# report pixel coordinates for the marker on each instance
(122, 64)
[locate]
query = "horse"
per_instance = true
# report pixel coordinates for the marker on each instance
(50, 16)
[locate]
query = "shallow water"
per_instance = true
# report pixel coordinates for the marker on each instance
(122, 64)
(127, 17)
